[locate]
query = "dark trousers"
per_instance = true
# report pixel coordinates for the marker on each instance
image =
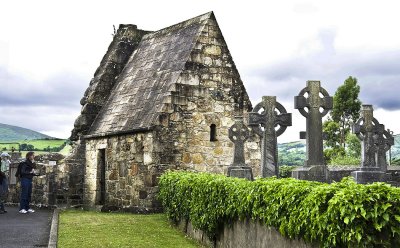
(26, 192)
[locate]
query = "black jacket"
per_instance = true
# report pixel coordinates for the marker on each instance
(2, 176)
(26, 169)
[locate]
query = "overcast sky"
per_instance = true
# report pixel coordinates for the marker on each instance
(49, 51)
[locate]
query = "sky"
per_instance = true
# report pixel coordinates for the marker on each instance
(49, 51)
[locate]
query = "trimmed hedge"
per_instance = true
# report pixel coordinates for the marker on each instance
(343, 214)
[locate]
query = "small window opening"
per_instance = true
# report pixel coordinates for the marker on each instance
(213, 132)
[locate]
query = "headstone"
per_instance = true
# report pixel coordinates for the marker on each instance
(265, 116)
(313, 102)
(238, 134)
(366, 128)
(383, 141)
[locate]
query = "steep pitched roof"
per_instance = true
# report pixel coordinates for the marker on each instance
(137, 98)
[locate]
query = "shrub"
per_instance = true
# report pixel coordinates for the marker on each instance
(285, 171)
(343, 214)
(345, 161)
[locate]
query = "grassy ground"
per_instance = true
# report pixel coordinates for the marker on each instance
(66, 150)
(95, 229)
(38, 144)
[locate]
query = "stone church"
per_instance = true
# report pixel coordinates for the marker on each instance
(161, 100)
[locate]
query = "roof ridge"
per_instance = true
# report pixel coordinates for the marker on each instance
(182, 24)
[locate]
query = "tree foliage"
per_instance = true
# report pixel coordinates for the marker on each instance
(345, 112)
(353, 146)
(346, 106)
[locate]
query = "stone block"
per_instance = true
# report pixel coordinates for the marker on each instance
(369, 176)
(240, 172)
(313, 173)
(197, 158)
(142, 194)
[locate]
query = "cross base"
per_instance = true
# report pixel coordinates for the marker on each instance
(369, 175)
(240, 172)
(311, 173)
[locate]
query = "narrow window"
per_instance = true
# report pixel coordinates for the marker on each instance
(213, 132)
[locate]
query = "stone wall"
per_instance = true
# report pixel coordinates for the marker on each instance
(208, 92)
(131, 172)
(244, 234)
(125, 41)
(50, 188)
(335, 174)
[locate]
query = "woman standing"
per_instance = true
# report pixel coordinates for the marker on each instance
(27, 173)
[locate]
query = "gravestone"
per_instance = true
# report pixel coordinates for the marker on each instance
(366, 128)
(383, 141)
(313, 102)
(238, 134)
(265, 116)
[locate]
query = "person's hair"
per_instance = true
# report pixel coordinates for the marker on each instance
(28, 154)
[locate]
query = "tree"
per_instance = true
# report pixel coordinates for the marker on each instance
(346, 107)
(354, 146)
(331, 130)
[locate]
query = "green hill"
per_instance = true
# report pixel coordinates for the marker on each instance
(294, 153)
(14, 133)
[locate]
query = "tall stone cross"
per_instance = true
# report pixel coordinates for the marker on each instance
(238, 134)
(265, 116)
(313, 102)
(383, 141)
(365, 129)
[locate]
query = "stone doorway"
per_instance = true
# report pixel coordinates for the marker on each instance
(101, 177)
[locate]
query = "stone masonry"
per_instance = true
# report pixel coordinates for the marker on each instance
(170, 108)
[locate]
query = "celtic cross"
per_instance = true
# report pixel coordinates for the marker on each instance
(313, 107)
(265, 117)
(383, 141)
(238, 134)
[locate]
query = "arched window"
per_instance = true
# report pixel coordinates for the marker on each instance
(213, 132)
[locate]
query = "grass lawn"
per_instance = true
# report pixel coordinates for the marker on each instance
(95, 229)
(38, 144)
(66, 150)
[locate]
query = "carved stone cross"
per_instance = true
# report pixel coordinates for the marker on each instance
(314, 102)
(265, 116)
(238, 134)
(364, 128)
(383, 141)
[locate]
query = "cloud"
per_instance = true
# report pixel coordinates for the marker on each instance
(62, 89)
(50, 106)
(378, 73)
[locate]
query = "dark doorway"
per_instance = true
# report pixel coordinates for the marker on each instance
(101, 169)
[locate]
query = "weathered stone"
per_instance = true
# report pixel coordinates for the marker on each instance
(375, 141)
(238, 134)
(383, 141)
(197, 158)
(113, 175)
(313, 103)
(185, 83)
(273, 114)
(218, 151)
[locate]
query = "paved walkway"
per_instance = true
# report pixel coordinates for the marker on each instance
(25, 230)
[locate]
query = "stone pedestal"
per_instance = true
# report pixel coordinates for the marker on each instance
(369, 175)
(311, 173)
(240, 172)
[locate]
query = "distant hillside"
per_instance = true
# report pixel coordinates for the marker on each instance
(294, 153)
(14, 133)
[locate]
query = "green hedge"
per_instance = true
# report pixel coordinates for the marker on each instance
(343, 214)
